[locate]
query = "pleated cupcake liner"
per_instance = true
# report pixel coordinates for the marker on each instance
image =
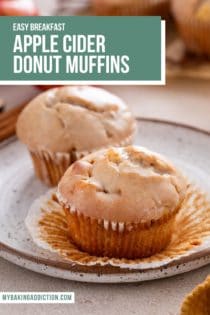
(48, 227)
(118, 239)
(198, 301)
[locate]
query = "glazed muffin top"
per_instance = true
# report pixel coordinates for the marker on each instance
(74, 118)
(130, 184)
(195, 9)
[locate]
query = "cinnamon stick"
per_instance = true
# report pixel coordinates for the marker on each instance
(8, 121)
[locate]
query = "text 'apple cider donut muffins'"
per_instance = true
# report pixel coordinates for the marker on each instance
(64, 124)
(193, 22)
(131, 7)
(121, 202)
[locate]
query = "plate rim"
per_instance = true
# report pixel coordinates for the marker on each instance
(116, 270)
(174, 123)
(97, 277)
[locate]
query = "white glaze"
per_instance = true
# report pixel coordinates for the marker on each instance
(188, 149)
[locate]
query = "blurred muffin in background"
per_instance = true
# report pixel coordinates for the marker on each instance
(193, 22)
(64, 124)
(131, 7)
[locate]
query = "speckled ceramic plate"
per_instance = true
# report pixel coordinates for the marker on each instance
(188, 148)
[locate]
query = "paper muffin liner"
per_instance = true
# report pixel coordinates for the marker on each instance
(143, 7)
(195, 34)
(49, 167)
(47, 225)
(121, 240)
(198, 301)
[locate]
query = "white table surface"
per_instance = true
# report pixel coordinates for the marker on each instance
(185, 101)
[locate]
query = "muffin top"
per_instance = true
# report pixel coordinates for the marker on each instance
(130, 184)
(74, 118)
(195, 9)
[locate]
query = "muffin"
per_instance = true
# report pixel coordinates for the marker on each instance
(193, 22)
(198, 301)
(64, 124)
(121, 202)
(131, 7)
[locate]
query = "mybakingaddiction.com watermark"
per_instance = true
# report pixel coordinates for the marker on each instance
(37, 297)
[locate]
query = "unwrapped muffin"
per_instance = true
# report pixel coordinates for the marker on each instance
(193, 22)
(131, 7)
(121, 202)
(64, 124)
